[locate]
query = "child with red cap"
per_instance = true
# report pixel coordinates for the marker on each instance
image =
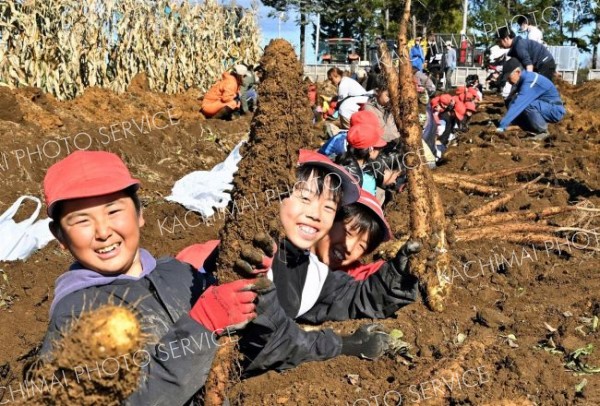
(357, 231)
(364, 144)
(470, 109)
(97, 216)
(338, 144)
(453, 116)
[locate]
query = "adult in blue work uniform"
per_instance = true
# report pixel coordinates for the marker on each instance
(534, 56)
(536, 102)
(417, 56)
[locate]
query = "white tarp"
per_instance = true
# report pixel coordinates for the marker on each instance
(201, 191)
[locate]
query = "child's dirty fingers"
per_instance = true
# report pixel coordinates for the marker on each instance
(265, 243)
(252, 255)
(262, 286)
(244, 267)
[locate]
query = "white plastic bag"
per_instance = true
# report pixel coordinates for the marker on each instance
(201, 191)
(20, 240)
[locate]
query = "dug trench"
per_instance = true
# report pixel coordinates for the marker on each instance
(514, 315)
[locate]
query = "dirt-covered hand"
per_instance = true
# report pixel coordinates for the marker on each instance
(230, 305)
(401, 183)
(401, 261)
(369, 341)
(258, 259)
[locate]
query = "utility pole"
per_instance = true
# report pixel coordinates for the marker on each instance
(387, 22)
(317, 36)
(281, 17)
(465, 14)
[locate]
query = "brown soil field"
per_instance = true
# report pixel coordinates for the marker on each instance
(484, 349)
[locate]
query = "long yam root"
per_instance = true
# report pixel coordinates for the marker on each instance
(501, 201)
(468, 222)
(221, 373)
(506, 172)
(472, 234)
(465, 185)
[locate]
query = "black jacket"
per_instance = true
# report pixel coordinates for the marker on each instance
(530, 52)
(274, 341)
(163, 298)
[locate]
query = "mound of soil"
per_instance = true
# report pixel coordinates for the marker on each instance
(491, 346)
(280, 127)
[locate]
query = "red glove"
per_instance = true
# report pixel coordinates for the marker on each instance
(228, 305)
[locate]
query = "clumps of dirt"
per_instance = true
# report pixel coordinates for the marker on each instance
(280, 127)
(96, 338)
(9, 108)
(582, 104)
(139, 83)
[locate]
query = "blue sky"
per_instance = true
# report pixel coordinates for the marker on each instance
(289, 30)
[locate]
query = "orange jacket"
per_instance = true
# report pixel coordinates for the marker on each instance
(221, 94)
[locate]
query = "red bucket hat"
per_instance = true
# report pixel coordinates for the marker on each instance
(365, 136)
(459, 109)
(445, 99)
(86, 174)
(350, 188)
(371, 202)
(364, 117)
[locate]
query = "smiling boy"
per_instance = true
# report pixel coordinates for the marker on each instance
(97, 216)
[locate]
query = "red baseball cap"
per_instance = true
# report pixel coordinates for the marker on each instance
(350, 187)
(365, 136)
(364, 117)
(371, 202)
(435, 101)
(445, 99)
(470, 106)
(459, 109)
(86, 174)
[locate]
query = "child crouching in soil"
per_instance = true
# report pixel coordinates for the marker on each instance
(96, 215)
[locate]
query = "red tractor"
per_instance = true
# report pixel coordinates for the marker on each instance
(340, 50)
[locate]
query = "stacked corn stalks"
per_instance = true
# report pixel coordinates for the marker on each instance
(64, 46)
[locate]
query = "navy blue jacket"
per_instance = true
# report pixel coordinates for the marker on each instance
(530, 52)
(274, 341)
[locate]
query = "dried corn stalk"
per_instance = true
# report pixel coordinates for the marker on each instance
(64, 46)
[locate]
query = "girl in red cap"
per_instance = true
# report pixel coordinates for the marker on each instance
(307, 290)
